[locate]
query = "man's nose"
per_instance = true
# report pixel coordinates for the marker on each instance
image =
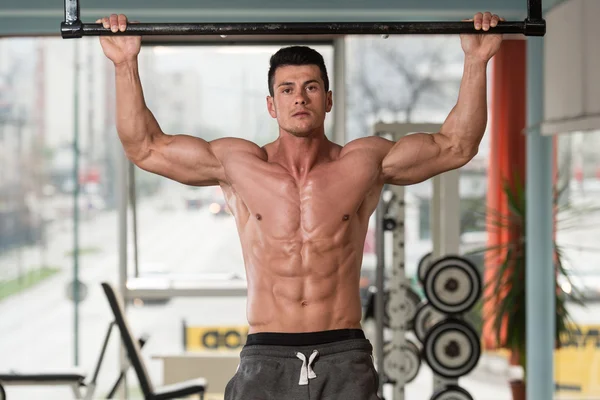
(301, 98)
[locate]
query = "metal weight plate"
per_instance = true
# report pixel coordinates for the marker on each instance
(424, 264)
(426, 317)
(452, 348)
(452, 285)
(452, 392)
(401, 364)
(400, 307)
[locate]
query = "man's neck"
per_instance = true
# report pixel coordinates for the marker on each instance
(300, 154)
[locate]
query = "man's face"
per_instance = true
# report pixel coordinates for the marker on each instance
(299, 100)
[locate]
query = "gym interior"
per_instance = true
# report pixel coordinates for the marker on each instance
(489, 273)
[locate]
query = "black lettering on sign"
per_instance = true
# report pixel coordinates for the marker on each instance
(210, 340)
(232, 340)
(593, 336)
(576, 338)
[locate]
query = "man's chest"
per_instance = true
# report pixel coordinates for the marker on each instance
(321, 201)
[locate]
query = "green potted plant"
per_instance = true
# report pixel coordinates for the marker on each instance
(507, 286)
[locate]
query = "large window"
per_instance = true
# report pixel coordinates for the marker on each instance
(205, 91)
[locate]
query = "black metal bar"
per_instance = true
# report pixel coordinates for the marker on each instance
(527, 27)
(534, 10)
(72, 23)
(71, 11)
(184, 331)
(141, 342)
(102, 352)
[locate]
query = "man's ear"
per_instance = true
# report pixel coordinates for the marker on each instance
(271, 107)
(329, 104)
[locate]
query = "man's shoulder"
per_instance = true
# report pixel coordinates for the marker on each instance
(367, 145)
(234, 145)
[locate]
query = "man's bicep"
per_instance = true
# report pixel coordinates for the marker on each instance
(186, 159)
(418, 157)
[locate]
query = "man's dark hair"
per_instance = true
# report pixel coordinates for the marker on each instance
(297, 55)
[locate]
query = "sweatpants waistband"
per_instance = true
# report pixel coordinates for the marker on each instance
(303, 338)
(326, 342)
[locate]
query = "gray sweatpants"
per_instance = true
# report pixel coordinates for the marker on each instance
(340, 370)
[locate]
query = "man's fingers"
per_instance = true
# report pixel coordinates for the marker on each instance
(494, 21)
(114, 22)
(122, 22)
(477, 20)
(487, 17)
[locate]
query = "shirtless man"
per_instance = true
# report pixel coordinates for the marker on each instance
(302, 206)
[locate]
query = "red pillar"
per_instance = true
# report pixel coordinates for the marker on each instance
(507, 154)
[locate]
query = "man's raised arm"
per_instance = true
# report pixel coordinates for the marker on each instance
(183, 158)
(418, 157)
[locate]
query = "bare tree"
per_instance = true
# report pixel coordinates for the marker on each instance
(390, 79)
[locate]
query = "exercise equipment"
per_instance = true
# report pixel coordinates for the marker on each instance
(403, 304)
(75, 378)
(423, 266)
(452, 348)
(401, 363)
(452, 392)
(452, 285)
(174, 391)
(533, 25)
(426, 316)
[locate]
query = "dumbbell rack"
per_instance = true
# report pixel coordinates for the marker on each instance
(392, 356)
(398, 360)
(461, 276)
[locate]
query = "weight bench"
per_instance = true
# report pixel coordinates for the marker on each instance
(73, 377)
(168, 392)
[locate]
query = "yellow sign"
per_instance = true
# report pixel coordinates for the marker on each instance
(577, 364)
(215, 337)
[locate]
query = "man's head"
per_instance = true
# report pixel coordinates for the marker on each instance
(299, 90)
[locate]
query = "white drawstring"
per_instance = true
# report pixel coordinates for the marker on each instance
(307, 372)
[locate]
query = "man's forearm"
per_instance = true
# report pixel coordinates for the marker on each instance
(135, 122)
(466, 122)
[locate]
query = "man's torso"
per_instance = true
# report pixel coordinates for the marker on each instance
(302, 236)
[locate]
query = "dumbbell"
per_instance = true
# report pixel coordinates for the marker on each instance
(452, 348)
(452, 285)
(401, 364)
(451, 392)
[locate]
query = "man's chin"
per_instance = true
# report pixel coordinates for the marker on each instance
(302, 133)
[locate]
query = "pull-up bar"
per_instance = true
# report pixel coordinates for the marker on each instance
(533, 25)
